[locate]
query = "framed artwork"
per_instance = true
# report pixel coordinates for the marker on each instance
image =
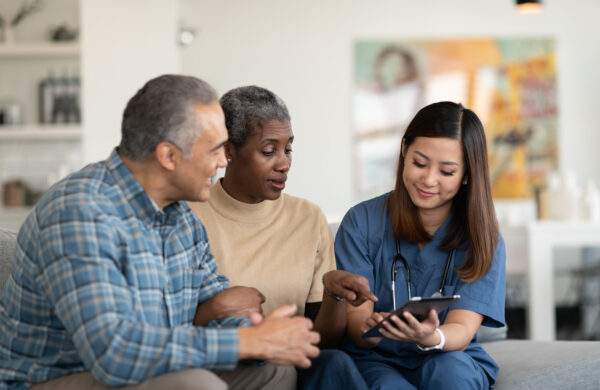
(510, 83)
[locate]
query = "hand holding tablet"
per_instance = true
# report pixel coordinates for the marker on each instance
(418, 307)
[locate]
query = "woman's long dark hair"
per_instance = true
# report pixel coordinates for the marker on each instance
(474, 225)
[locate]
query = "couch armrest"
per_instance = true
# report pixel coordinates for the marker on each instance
(486, 334)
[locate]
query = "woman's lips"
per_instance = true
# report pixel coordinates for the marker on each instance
(277, 185)
(425, 194)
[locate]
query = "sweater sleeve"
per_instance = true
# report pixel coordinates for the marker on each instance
(324, 259)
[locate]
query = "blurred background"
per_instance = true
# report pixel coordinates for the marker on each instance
(352, 73)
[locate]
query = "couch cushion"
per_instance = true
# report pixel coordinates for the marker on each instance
(487, 334)
(526, 364)
(8, 239)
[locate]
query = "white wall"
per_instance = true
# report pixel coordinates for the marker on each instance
(124, 44)
(302, 50)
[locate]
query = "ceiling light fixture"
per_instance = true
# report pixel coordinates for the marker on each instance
(186, 36)
(529, 6)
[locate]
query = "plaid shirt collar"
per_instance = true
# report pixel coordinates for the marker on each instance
(142, 204)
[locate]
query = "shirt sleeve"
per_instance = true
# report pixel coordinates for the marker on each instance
(324, 261)
(486, 295)
(91, 298)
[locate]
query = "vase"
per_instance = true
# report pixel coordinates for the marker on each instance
(8, 34)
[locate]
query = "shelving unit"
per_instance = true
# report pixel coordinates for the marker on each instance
(26, 62)
(30, 151)
(40, 132)
(33, 153)
(39, 50)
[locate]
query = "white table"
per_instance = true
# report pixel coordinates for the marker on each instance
(542, 238)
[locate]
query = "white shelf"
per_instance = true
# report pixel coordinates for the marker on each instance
(34, 50)
(40, 132)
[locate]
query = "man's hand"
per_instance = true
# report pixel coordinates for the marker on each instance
(235, 301)
(280, 338)
(354, 288)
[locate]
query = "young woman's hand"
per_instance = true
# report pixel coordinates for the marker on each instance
(410, 329)
(371, 321)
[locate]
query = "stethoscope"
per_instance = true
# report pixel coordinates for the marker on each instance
(438, 293)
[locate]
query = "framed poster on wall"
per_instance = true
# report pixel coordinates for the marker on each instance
(509, 82)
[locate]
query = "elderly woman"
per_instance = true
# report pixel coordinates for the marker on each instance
(275, 242)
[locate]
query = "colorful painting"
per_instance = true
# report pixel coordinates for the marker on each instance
(510, 84)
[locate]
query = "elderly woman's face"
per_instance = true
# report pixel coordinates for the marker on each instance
(258, 170)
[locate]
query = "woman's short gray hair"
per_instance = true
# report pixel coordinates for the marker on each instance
(163, 111)
(247, 107)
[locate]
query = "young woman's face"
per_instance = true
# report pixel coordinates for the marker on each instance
(434, 170)
(259, 168)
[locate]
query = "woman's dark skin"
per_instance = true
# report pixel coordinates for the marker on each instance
(257, 171)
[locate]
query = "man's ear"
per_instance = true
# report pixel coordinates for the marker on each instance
(168, 155)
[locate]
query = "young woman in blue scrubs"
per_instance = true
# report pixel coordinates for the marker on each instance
(436, 232)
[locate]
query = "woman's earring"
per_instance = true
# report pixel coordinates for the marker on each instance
(228, 160)
(465, 180)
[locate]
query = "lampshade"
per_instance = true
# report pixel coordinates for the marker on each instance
(529, 6)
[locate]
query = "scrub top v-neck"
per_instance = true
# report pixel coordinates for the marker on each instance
(365, 245)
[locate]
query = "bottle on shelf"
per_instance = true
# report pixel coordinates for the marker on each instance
(591, 202)
(59, 99)
(547, 198)
(11, 112)
(45, 97)
(564, 197)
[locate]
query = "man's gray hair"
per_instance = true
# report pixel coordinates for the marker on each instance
(163, 111)
(247, 107)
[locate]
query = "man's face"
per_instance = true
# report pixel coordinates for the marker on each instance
(194, 174)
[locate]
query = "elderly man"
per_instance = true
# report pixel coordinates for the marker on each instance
(114, 283)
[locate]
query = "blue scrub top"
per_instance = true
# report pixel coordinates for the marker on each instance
(365, 245)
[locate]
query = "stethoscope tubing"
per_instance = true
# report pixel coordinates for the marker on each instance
(408, 280)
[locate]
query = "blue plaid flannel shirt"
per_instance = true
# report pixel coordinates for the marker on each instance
(104, 281)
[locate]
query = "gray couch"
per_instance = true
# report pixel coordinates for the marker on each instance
(523, 364)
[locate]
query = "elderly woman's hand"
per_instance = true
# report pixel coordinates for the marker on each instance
(235, 301)
(353, 288)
